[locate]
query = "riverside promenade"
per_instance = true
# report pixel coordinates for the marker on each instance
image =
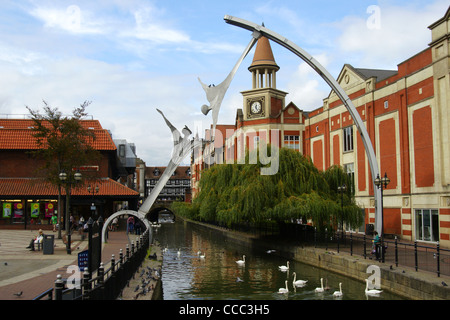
(32, 272)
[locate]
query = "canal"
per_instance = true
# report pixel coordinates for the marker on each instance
(200, 264)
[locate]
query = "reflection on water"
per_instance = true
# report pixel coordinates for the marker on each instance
(186, 274)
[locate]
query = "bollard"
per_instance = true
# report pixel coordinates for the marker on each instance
(127, 252)
(438, 258)
(86, 284)
(59, 287)
(101, 281)
(120, 258)
(365, 246)
(351, 244)
(396, 252)
(415, 254)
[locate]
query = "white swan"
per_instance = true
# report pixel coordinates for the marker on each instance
(241, 262)
(321, 286)
(338, 293)
(179, 252)
(202, 256)
(284, 290)
(298, 283)
(372, 292)
(284, 268)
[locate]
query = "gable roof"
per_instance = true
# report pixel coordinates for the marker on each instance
(17, 134)
(35, 187)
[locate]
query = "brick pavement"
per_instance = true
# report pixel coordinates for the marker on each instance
(32, 272)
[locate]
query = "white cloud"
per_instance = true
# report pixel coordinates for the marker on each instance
(383, 39)
(71, 19)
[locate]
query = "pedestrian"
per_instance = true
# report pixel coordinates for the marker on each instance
(54, 221)
(38, 239)
(377, 245)
(130, 224)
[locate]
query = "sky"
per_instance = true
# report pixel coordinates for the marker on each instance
(131, 57)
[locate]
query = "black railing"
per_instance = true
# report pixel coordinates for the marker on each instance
(108, 283)
(414, 254)
(418, 255)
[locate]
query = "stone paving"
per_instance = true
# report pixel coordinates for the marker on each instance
(32, 272)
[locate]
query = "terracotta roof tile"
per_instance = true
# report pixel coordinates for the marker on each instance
(16, 134)
(21, 187)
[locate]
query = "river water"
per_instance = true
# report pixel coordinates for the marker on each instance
(186, 275)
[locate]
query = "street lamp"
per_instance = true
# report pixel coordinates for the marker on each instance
(93, 191)
(342, 190)
(67, 180)
(382, 183)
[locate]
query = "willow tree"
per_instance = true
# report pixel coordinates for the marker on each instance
(238, 193)
(63, 144)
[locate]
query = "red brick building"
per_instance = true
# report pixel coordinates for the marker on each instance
(406, 112)
(25, 197)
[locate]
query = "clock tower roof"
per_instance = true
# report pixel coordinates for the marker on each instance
(263, 55)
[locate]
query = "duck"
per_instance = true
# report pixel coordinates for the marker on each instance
(319, 290)
(298, 283)
(284, 290)
(241, 262)
(372, 292)
(284, 268)
(338, 293)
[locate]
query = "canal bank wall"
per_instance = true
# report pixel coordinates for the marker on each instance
(403, 281)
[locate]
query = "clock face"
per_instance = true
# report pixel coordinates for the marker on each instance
(256, 107)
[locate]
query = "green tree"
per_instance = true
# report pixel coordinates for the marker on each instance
(238, 193)
(63, 145)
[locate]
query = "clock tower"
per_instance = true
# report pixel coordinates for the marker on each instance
(264, 100)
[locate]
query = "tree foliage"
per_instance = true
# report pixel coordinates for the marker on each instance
(238, 193)
(63, 143)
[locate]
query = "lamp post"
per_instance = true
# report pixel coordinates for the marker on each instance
(382, 183)
(67, 180)
(93, 191)
(341, 190)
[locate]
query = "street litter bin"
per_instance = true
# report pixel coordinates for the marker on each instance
(370, 228)
(48, 243)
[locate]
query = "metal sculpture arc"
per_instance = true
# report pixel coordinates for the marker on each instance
(316, 66)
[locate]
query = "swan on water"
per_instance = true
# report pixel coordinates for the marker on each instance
(241, 262)
(372, 292)
(298, 283)
(338, 293)
(321, 286)
(284, 290)
(284, 268)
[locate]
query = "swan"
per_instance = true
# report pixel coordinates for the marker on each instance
(199, 252)
(284, 268)
(284, 290)
(321, 286)
(298, 283)
(338, 293)
(241, 262)
(372, 292)
(202, 256)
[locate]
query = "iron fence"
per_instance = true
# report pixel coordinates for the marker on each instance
(108, 283)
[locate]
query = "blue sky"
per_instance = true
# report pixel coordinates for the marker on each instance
(130, 57)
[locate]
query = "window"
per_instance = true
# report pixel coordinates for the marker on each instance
(427, 224)
(292, 142)
(121, 150)
(348, 139)
(349, 168)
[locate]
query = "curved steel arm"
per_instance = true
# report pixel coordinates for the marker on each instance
(313, 63)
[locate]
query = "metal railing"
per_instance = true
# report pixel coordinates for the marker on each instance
(420, 256)
(108, 283)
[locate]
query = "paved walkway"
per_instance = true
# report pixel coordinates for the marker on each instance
(32, 272)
